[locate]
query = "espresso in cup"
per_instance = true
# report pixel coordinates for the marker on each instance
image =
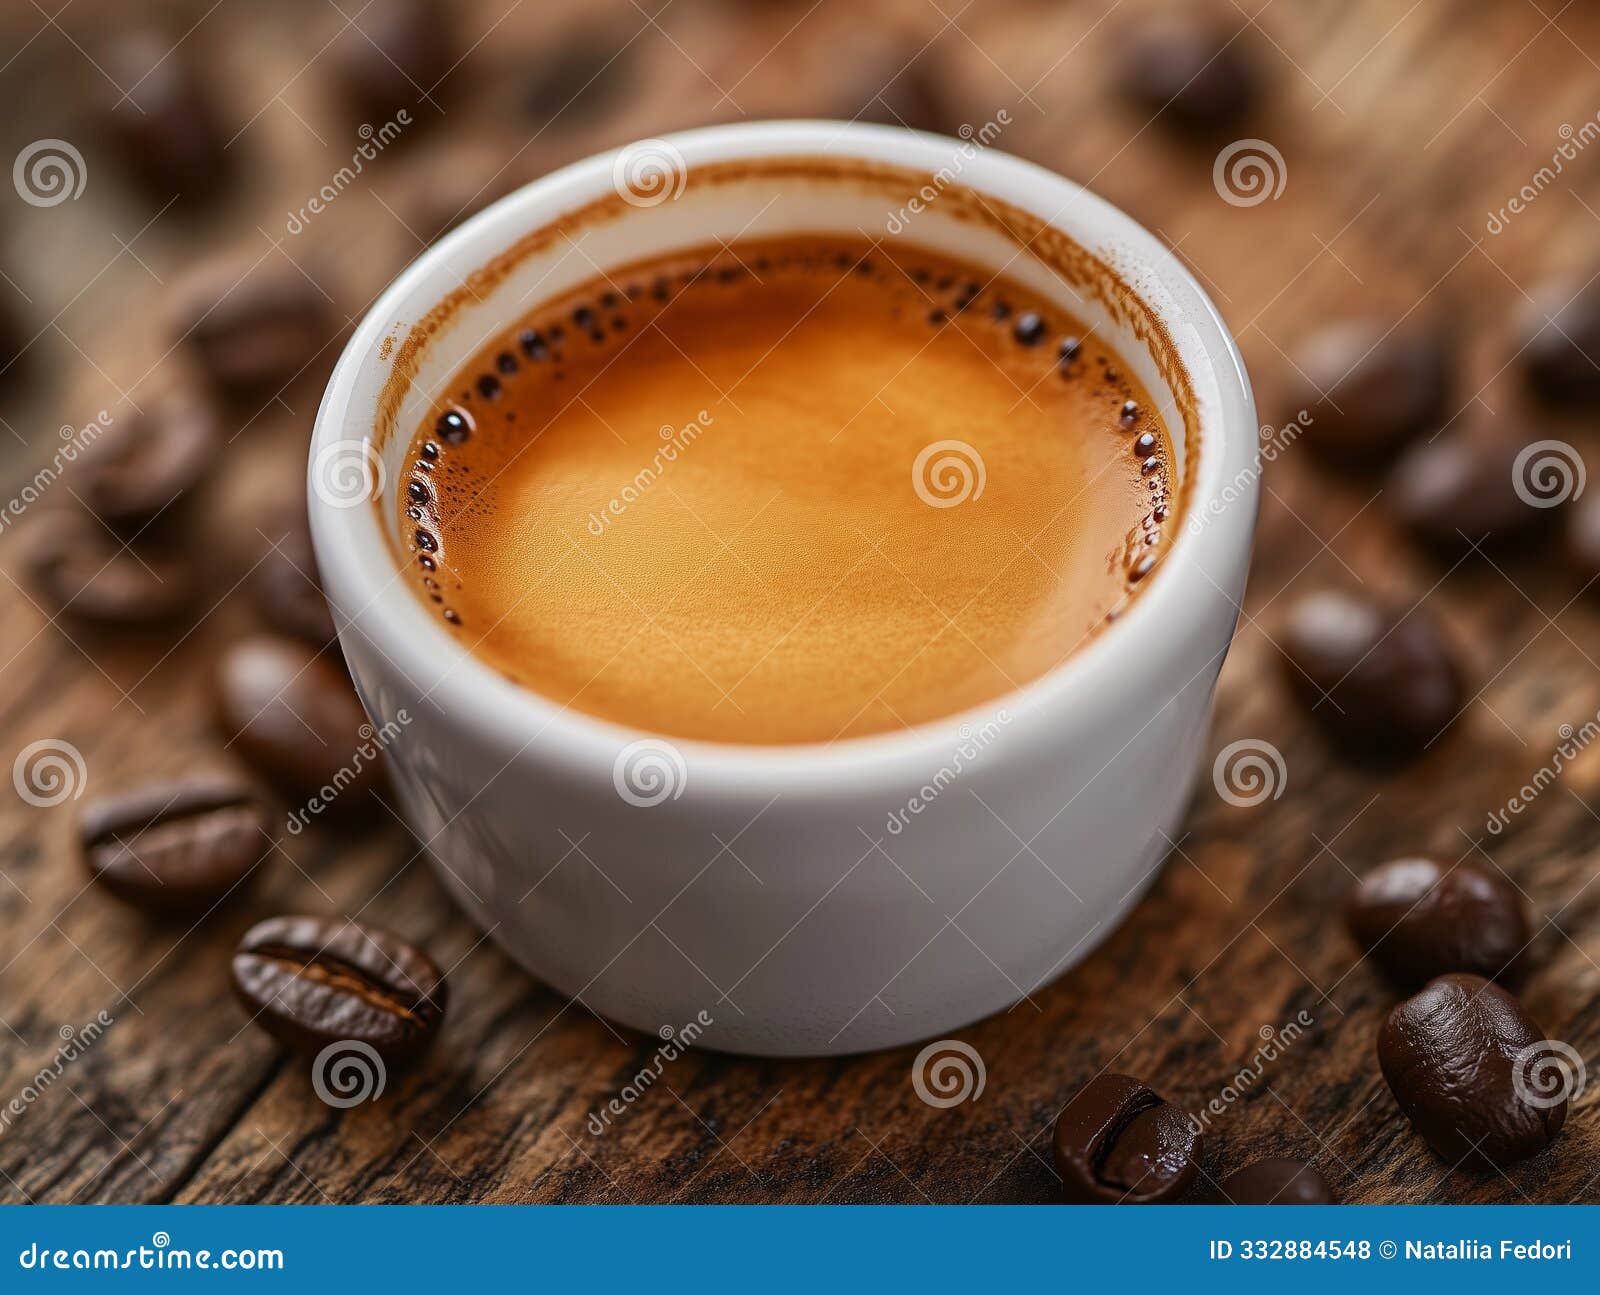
(783, 491)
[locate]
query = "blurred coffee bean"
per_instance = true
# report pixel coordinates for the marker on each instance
(1190, 72)
(1276, 1182)
(1474, 1075)
(1381, 680)
(1369, 389)
(311, 982)
(1583, 539)
(166, 128)
(146, 462)
(393, 55)
(1419, 919)
(252, 330)
(1473, 487)
(292, 713)
(898, 87)
(1118, 1142)
(175, 847)
(80, 570)
(1561, 341)
(14, 338)
(286, 586)
(576, 75)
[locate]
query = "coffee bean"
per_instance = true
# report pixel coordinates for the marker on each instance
(897, 88)
(1118, 1142)
(1464, 489)
(144, 464)
(1276, 1182)
(577, 75)
(1561, 342)
(176, 847)
(1196, 75)
(1463, 1060)
(253, 330)
(287, 587)
(1369, 388)
(393, 55)
(291, 712)
(1381, 679)
(79, 569)
(1419, 920)
(166, 130)
(310, 982)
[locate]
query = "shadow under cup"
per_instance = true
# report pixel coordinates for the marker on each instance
(796, 900)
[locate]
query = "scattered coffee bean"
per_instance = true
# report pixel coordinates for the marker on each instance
(1369, 389)
(1561, 342)
(1119, 1142)
(577, 75)
(254, 330)
(80, 569)
(1192, 73)
(1419, 920)
(287, 587)
(291, 712)
(310, 982)
(1381, 679)
(1465, 488)
(1276, 1182)
(1463, 1059)
(176, 847)
(166, 129)
(393, 55)
(897, 88)
(139, 469)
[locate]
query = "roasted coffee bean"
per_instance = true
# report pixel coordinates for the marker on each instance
(165, 129)
(81, 570)
(1582, 540)
(291, 712)
(898, 88)
(577, 75)
(1474, 1075)
(393, 55)
(1276, 1182)
(287, 588)
(1380, 678)
(1191, 73)
(1368, 388)
(175, 847)
(1118, 1142)
(310, 982)
(1467, 489)
(1419, 920)
(1561, 342)
(253, 330)
(144, 464)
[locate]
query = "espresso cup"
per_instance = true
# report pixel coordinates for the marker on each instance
(794, 900)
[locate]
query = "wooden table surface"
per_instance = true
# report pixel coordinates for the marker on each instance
(1402, 127)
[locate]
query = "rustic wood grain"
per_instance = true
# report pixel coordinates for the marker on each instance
(1401, 129)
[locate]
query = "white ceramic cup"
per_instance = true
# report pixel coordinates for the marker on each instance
(804, 899)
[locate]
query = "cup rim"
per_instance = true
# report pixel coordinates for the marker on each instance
(365, 584)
